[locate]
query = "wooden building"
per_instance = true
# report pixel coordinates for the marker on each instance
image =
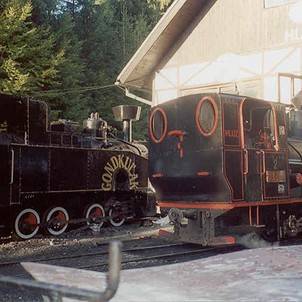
(247, 47)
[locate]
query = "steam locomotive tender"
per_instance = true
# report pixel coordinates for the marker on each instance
(226, 165)
(55, 175)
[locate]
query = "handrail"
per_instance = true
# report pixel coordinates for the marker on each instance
(56, 291)
(245, 162)
(263, 163)
(12, 166)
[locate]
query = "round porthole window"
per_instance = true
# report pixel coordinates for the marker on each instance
(206, 116)
(158, 125)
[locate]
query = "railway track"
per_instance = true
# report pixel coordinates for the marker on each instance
(132, 257)
(83, 255)
(185, 254)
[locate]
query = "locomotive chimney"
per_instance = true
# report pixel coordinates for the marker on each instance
(127, 114)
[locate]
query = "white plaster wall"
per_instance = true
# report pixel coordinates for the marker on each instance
(238, 46)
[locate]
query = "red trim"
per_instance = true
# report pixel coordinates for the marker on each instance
(180, 135)
(228, 102)
(250, 216)
(165, 233)
(241, 124)
(151, 125)
(277, 145)
(224, 205)
(196, 205)
(197, 115)
(157, 175)
(203, 173)
(222, 240)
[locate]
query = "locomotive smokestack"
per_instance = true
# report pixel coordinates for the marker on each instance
(127, 130)
(127, 114)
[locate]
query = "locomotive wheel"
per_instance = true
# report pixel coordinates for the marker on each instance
(27, 224)
(117, 217)
(92, 213)
(57, 221)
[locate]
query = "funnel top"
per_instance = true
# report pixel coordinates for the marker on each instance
(126, 112)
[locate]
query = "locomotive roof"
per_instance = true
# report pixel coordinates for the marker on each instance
(240, 97)
(5, 97)
(235, 97)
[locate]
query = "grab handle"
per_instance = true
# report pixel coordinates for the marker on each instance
(246, 162)
(263, 168)
(12, 167)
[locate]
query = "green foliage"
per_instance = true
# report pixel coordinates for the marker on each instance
(28, 61)
(65, 51)
(70, 73)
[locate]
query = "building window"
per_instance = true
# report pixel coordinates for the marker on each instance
(273, 3)
(289, 86)
(230, 88)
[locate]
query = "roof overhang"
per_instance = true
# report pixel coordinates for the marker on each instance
(137, 73)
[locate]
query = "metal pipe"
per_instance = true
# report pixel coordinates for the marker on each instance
(59, 291)
(137, 98)
(113, 276)
(127, 130)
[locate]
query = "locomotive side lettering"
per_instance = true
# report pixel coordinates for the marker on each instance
(275, 176)
(231, 133)
(113, 165)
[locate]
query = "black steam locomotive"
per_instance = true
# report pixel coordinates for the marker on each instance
(53, 175)
(225, 165)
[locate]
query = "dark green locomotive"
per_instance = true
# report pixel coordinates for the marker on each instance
(225, 165)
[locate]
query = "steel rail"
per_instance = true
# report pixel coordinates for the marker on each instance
(103, 253)
(221, 249)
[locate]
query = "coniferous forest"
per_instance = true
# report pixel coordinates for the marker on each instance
(69, 52)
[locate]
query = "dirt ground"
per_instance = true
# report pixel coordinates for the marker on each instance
(76, 240)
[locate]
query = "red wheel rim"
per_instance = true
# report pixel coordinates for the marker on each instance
(27, 224)
(94, 212)
(117, 216)
(57, 221)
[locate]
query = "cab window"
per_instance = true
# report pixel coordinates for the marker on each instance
(259, 125)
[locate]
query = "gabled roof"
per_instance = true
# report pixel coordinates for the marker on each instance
(167, 31)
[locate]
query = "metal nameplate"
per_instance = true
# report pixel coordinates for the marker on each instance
(275, 176)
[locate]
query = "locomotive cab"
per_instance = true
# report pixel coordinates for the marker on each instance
(294, 118)
(295, 124)
(220, 164)
(264, 146)
(13, 120)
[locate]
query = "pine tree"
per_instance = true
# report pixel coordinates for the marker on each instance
(27, 60)
(64, 95)
(54, 49)
(44, 12)
(111, 32)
